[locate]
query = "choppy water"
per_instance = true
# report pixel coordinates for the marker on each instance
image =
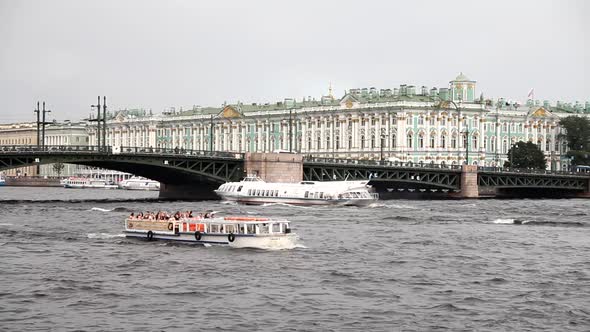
(397, 266)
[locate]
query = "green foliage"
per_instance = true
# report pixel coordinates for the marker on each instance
(577, 132)
(58, 168)
(526, 155)
(579, 157)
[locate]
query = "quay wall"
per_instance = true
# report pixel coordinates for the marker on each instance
(32, 181)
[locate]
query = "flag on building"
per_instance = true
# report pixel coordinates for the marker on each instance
(531, 94)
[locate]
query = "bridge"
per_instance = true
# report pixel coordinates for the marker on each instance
(195, 174)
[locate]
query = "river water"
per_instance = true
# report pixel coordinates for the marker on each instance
(402, 265)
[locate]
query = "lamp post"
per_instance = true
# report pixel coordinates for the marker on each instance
(382, 140)
(445, 104)
(38, 127)
(467, 144)
(43, 126)
(511, 145)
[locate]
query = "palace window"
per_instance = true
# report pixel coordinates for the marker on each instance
(362, 142)
(409, 120)
(393, 141)
(409, 139)
(319, 143)
(337, 142)
(432, 121)
(474, 142)
(328, 142)
(432, 139)
(421, 141)
(372, 141)
(420, 120)
(443, 141)
(350, 142)
(443, 121)
(454, 142)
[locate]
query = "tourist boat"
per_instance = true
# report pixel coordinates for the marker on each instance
(253, 190)
(2, 180)
(85, 183)
(238, 232)
(139, 183)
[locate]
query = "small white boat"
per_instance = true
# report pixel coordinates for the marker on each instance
(2, 180)
(87, 183)
(253, 190)
(139, 183)
(237, 232)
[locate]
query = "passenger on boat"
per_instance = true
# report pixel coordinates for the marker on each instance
(132, 216)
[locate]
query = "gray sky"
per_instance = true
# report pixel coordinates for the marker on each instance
(157, 54)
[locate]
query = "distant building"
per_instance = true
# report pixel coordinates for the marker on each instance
(64, 134)
(19, 134)
(407, 123)
(56, 134)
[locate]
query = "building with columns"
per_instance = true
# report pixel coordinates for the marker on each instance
(56, 134)
(447, 125)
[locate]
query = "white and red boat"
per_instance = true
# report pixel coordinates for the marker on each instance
(235, 231)
(85, 183)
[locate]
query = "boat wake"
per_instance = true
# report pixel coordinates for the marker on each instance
(103, 236)
(6, 224)
(287, 205)
(509, 221)
(100, 209)
(117, 209)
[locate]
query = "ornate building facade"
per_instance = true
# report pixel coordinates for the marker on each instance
(447, 126)
(62, 134)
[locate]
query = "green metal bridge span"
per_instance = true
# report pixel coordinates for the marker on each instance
(196, 174)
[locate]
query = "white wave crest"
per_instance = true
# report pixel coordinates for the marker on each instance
(502, 221)
(6, 224)
(103, 235)
(99, 209)
(287, 205)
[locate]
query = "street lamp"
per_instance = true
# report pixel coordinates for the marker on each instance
(445, 104)
(383, 136)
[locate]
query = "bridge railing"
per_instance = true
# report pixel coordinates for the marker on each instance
(408, 164)
(24, 149)
(526, 170)
(176, 152)
(51, 148)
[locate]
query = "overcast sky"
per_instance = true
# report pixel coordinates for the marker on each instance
(158, 54)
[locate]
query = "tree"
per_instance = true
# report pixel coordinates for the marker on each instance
(526, 155)
(578, 138)
(577, 132)
(58, 168)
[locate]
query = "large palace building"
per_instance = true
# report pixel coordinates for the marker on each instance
(450, 125)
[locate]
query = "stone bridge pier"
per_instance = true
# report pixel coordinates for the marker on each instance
(275, 167)
(469, 186)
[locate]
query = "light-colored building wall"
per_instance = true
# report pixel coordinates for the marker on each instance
(63, 135)
(426, 126)
(19, 134)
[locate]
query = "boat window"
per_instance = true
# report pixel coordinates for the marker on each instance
(214, 228)
(240, 188)
(230, 228)
(251, 228)
(321, 195)
(268, 193)
(263, 229)
(276, 228)
(306, 194)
